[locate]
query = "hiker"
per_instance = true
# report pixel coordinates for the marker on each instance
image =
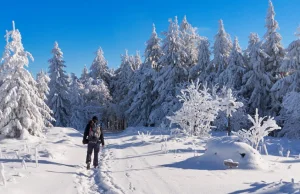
(93, 136)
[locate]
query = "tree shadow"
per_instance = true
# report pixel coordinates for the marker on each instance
(195, 163)
(254, 187)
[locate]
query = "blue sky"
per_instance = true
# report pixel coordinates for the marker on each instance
(80, 27)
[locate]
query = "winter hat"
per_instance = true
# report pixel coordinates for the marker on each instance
(95, 118)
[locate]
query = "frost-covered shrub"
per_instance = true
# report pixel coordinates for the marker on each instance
(261, 128)
(198, 110)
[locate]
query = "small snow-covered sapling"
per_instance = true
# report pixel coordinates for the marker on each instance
(1, 156)
(36, 157)
(265, 149)
(17, 154)
(2, 174)
(288, 154)
(259, 149)
(24, 165)
(293, 180)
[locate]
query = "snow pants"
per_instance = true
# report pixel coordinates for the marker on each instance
(93, 147)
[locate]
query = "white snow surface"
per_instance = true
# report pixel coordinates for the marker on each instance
(134, 161)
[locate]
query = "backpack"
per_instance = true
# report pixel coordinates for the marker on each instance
(94, 133)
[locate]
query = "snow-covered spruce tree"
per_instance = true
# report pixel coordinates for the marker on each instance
(291, 68)
(84, 75)
(253, 40)
(58, 99)
(272, 45)
(137, 61)
(190, 42)
(140, 109)
(200, 70)
(153, 50)
(257, 82)
(96, 95)
(78, 116)
(221, 50)
(43, 89)
(198, 111)
(290, 116)
(120, 85)
(21, 107)
(99, 68)
(173, 72)
(42, 84)
(232, 75)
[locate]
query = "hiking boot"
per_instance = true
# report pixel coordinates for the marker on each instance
(88, 166)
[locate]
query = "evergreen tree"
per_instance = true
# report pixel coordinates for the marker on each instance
(291, 68)
(253, 40)
(201, 71)
(153, 50)
(84, 75)
(99, 68)
(221, 49)
(232, 75)
(78, 117)
(190, 40)
(58, 99)
(172, 73)
(137, 61)
(22, 110)
(42, 84)
(140, 108)
(257, 82)
(272, 45)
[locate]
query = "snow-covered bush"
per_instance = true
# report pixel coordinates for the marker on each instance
(198, 110)
(261, 128)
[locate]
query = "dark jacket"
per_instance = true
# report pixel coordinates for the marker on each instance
(87, 130)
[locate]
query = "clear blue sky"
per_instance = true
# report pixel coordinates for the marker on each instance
(80, 27)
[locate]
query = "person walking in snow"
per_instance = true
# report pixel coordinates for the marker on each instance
(93, 136)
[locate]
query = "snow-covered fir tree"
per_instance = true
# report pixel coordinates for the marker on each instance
(78, 116)
(23, 111)
(253, 40)
(99, 67)
(43, 89)
(272, 45)
(137, 61)
(58, 99)
(232, 75)
(153, 50)
(120, 86)
(84, 75)
(140, 109)
(42, 84)
(289, 115)
(190, 42)
(172, 73)
(200, 70)
(257, 82)
(291, 67)
(96, 95)
(221, 49)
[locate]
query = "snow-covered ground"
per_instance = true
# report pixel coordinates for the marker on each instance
(142, 163)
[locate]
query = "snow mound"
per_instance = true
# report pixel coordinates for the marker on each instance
(223, 149)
